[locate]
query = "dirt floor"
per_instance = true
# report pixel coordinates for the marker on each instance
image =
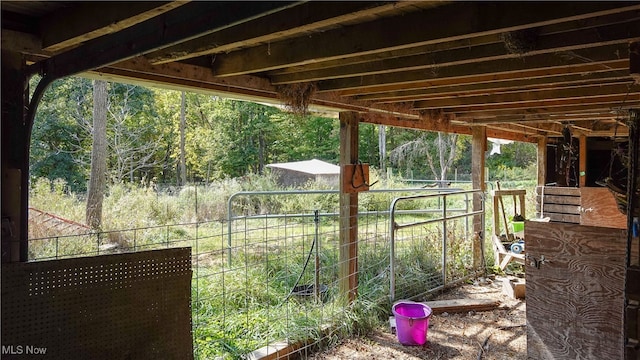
(490, 335)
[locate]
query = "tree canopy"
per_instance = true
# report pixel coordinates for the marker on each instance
(224, 139)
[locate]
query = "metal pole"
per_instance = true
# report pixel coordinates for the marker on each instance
(229, 217)
(392, 253)
(444, 240)
(316, 241)
(466, 219)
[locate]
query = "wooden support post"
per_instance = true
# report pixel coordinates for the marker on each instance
(582, 159)
(348, 273)
(478, 149)
(632, 276)
(542, 161)
(634, 60)
(15, 159)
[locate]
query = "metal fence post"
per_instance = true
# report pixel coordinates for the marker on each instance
(316, 241)
(444, 240)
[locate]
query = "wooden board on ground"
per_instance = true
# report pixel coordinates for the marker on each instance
(456, 306)
(462, 305)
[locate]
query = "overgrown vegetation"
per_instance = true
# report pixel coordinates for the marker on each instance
(245, 304)
(245, 273)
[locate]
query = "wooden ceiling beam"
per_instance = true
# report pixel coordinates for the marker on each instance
(191, 20)
(437, 92)
(420, 124)
(524, 129)
(529, 96)
(300, 19)
(515, 67)
(246, 87)
(538, 118)
(21, 42)
(558, 42)
(604, 103)
(620, 66)
(509, 134)
(463, 20)
(571, 26)
(89, 20)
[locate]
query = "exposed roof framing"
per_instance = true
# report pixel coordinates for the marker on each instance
(522, 69)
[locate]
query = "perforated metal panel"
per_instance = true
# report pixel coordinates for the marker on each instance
(124, 306)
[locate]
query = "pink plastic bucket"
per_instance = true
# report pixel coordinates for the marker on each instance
(412, 322)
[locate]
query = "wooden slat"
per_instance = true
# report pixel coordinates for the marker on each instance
(557, 208)
(558, 190)
(565, 218)
(508, 192)
(557, 199)
(575, 296)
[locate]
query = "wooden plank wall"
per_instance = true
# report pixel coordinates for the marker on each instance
(575, 295)
(561, 204)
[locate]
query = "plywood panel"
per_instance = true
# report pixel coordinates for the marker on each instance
(575, 296)
(599, 208)
(124, 306)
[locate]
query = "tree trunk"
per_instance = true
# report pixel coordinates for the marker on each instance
(183, 125)
(382, 150)
(97, 179)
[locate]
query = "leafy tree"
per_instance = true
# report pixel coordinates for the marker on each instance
(368, 144)
(60, 144)
(514, 155)
(134, 131)
(438, 151)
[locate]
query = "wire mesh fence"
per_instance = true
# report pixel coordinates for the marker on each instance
(271, 274)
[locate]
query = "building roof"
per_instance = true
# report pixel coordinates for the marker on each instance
(314, 167)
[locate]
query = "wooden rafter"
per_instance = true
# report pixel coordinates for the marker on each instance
(190, 20)
(508, 68)
(464, 20)
(297, 20)
(91, 20)
(552, 43)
